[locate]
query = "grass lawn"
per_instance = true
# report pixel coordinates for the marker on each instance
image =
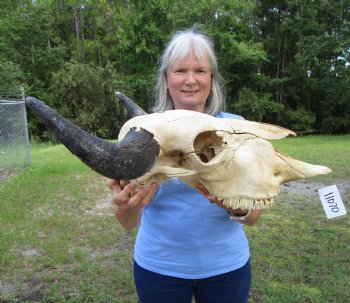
(59, 240)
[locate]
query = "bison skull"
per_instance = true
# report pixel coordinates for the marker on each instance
(231, 158)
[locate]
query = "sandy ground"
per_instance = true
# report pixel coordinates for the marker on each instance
(308, 188)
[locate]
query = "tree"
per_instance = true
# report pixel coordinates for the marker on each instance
(11, 78)
(28, 38)
(284, 62)
(308, 45)
(85, 94)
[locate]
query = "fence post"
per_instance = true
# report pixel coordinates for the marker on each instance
(25, 128)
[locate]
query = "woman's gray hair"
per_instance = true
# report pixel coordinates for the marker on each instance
(178, 49)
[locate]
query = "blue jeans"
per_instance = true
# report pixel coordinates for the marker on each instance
(231, 287)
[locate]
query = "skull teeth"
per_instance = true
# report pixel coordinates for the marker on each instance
(247, 203)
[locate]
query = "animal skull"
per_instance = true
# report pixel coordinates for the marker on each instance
(231, 158)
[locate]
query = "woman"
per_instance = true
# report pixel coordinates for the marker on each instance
(186, 246)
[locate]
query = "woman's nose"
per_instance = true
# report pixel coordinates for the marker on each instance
(190, 78)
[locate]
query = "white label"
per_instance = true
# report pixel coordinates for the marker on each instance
(332, 202)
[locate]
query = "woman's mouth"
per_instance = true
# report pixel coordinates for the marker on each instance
(192, 92)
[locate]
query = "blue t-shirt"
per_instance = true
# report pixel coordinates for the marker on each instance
(183, 235)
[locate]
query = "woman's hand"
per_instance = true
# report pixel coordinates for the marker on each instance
(129, 202)
(126, 197)
(250, 217)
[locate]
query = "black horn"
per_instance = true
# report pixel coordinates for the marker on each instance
(128, 159)
(133, 109)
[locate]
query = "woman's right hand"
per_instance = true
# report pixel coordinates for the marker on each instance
(129, 201)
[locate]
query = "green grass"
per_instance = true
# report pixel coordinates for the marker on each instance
(51, 209)
(57, 245)
(298, 255)
(332, 151)
(13, 155)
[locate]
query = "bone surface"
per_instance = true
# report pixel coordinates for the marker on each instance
(232, 158)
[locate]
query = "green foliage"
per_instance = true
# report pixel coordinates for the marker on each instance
(334, 125)
(85, 94)
(254, 107)
(308, 50)
(300, 120)
(11, 77)
(288, 61)
(29, 38)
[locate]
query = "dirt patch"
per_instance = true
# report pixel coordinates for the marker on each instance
(30, 252)
(7, 173)
(31, 291)
(103, 207)
(308, 188)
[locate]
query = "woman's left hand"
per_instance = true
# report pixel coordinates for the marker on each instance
(250, 219)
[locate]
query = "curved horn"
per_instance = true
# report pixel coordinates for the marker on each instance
(128, 159)
(133, 109)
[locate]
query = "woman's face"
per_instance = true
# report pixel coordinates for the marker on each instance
(189, 83)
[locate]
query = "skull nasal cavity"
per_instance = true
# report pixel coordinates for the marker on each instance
(207, 145)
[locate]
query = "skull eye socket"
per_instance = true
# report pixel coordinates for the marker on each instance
(207, 145)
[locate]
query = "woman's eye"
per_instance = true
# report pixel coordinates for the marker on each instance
(179, 71)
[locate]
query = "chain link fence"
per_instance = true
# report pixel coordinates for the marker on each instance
(14, 141)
